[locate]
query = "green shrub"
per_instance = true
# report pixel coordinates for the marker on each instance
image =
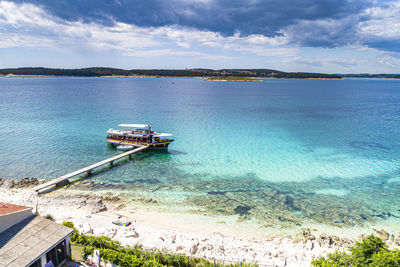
(49, 217)
(334, 259)
(75, 235)
(122, 259)
(363, 250)
(370, 251)
(385, 258)
(113, 251)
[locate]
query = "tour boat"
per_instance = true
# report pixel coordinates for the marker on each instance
(137, 135)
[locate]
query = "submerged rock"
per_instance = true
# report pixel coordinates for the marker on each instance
(242, 210)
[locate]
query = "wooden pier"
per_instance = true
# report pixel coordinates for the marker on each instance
(88, 169)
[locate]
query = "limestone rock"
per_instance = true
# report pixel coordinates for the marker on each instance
(382, 234)
(325, 239)
(134, 235)
(8, 183)
(194, 248)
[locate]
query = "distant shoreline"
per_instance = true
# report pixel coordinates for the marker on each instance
(256, 79)
(209, 74)
(211, 78)
(184, 73)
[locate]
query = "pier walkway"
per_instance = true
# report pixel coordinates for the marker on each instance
(88, 169)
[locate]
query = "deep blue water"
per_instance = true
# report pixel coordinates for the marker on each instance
(315, 147)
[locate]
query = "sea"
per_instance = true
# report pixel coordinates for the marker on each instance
(280, 152)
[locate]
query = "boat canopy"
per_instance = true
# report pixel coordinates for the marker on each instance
(163, 135)
(134, 125)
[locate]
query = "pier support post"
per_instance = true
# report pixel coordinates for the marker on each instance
(111, 163)
(130, 156)
(89, 172)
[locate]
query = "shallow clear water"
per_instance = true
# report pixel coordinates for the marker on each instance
(279, 151)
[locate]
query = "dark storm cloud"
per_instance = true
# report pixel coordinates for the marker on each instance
(310, 23)
(266, 17)
(328, 33)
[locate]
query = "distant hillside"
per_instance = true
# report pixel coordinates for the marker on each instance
(87, 72)
(98, 72)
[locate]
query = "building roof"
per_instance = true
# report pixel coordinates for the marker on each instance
(23, 243)
(6, 208)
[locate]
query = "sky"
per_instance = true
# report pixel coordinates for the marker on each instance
(329, 36)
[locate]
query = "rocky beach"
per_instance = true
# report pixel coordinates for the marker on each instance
(106, 215)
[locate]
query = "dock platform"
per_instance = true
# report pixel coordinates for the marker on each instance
(88, 169)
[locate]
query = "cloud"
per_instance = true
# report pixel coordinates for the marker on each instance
(172, 52)
(305, 23)
(380, 26)
(226, 17)
(27, 25)
(328, 33)
(211, 29)
(377, 62)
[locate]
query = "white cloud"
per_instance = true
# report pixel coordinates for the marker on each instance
(172, 52)
(27, 25)
(26, 21)
(31, 26)
(262, 40)
(382, 21)
(382, 62)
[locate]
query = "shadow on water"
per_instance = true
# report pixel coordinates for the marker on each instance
(368, 145)
(141, 156)
(151, 159)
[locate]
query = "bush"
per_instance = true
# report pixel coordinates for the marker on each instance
(363, 251)
(49, 217)
(113, 251)
(123, 259)
(75, 235)
(370, 251)
(334, 259)
(386, 258)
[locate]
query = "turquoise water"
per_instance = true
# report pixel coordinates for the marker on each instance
(279, 151)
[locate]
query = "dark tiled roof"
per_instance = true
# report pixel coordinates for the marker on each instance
(24, 242)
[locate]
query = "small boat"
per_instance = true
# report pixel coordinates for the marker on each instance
(125, 147)
(132, 135)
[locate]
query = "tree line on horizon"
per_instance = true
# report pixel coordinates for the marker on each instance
(261, 73)
(99, 72)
